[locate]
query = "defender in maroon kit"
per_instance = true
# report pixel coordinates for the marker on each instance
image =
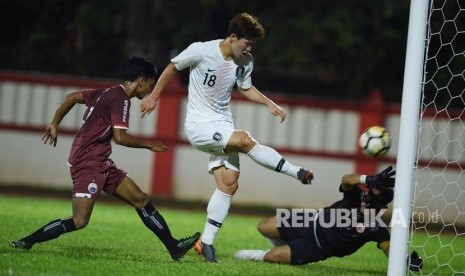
(92, 170)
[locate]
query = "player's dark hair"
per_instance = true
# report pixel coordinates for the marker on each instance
(247, 26)
(136, 67)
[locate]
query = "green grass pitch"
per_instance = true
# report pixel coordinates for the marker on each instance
(117, 243)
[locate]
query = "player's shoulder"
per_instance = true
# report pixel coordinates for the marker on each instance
(205, 44)
(97, 90)
(114, 93)
(245, 60)
(90, 94)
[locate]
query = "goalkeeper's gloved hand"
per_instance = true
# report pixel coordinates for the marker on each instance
(382, 179)
(414, 262)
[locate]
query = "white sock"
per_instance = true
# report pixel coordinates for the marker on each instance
(254, 255)
(217, 210)
(271, 159)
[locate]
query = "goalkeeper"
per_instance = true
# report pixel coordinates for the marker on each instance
(319, 240)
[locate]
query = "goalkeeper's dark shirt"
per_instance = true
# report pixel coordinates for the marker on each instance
(342, 241)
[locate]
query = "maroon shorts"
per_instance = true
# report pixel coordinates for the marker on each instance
(90, 178)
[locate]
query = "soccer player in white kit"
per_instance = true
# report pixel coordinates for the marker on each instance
(215, 68)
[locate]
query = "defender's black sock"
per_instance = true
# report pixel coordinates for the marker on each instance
(51, 231)
(155, 222)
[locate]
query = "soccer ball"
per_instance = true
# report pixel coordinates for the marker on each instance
(375, 141)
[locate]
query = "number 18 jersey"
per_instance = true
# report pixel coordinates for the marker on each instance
(211, 80)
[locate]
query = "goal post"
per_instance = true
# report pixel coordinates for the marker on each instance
(429, 203)
(411, 95)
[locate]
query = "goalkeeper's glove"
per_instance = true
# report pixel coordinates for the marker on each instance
(414, 262)
(382, 179)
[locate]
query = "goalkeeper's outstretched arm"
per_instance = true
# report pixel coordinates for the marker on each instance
(382, 179)
(414, 261)
(349, 181)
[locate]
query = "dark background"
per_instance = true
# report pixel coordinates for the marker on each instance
(325, 48)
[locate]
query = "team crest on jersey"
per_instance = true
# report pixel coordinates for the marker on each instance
(360, 228)
(240, 71)
(92, 188)
(217, 137)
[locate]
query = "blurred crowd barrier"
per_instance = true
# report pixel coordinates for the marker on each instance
(321, 135)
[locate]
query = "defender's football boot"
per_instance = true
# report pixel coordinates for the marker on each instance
(305, 176)
(183, 246)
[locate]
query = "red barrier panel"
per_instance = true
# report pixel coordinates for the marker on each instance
(167, 131)
(372, 111)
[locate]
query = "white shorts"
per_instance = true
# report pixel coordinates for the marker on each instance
(212, 137)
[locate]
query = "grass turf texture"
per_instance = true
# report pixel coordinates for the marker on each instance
(117, 243)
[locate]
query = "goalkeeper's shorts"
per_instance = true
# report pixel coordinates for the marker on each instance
(301, 240)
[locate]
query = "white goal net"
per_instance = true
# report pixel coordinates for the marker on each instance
(438, 197)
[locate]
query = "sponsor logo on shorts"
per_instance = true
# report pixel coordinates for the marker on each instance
(84, 195)
(92, 188)
(217, 137)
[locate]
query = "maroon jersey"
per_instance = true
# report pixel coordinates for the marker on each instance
(108, 108)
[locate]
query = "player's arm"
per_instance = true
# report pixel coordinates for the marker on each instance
(414, 261)
(254, 95)
(150, 102)
(382, 179)
(121, 137)
(70, 100)
(349, 181)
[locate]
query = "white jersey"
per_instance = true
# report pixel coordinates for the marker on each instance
(211, 80)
